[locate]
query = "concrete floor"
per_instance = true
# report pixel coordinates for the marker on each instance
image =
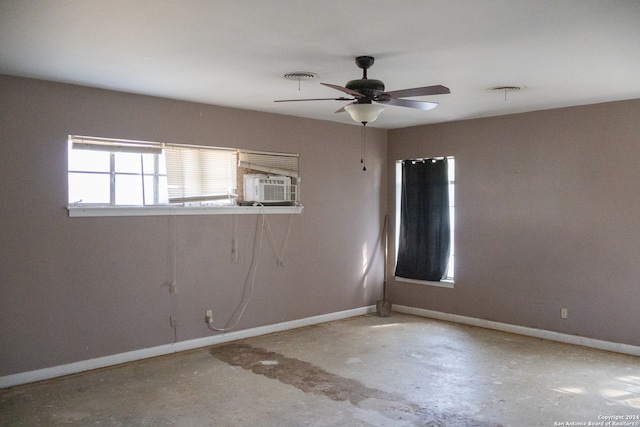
(364, 371)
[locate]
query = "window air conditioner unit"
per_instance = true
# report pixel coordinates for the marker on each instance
(268, 189)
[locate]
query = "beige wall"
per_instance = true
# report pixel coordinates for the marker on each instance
(548, 217)
(79, 288)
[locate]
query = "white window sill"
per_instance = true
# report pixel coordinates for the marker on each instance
(441, 284)
(93, 211)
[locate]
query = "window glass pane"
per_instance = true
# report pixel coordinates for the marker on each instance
(89, 188)
(452, 219)
(163, 190)
(149, 194)
(150, 162)
(452, 222)
(129, 190)
(153, 189)
(90, 161)
(450, 273)
(128, 162)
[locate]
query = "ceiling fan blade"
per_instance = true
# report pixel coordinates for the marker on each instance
(342, 110)
(344, 89)
(419, 91)
(316, 99)
(420, 105)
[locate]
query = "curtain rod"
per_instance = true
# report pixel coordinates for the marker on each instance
(422, 159)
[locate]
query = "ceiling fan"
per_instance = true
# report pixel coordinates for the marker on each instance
(367, 95)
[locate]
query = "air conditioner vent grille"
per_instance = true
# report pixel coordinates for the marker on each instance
(269, 189)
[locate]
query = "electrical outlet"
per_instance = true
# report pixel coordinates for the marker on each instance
(174, 322)
(564, 313)
(209, 316)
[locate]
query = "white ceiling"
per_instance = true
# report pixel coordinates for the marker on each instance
(233, 53)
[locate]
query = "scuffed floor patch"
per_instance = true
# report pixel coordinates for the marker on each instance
(312, 379)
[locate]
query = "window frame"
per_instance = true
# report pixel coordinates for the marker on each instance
(449, 280)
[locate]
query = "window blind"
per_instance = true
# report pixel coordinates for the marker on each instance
(272, 163)
(114, 146)
(197, 174)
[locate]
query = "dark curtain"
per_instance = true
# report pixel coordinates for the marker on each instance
(423, 247)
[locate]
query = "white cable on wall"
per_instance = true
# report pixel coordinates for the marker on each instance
(280, 254)
(255, 261)
(174, 286)
(234, 238)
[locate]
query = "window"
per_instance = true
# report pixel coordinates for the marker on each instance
(115, 174)
(110, 176)
(449, 180)
(205, 175)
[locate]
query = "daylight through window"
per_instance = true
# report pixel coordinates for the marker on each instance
(119, 173)
(448, 278)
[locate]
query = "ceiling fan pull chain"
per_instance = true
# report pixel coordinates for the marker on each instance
(362, 147)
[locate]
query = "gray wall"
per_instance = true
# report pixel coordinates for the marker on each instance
(548, 216)
(79, 288)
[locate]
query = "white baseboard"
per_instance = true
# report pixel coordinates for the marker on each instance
(131, 356)
(522, 330)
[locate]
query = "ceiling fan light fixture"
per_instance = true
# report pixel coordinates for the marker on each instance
(364, 113)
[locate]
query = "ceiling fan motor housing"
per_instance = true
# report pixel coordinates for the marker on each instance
(370, 88)
(367, 87)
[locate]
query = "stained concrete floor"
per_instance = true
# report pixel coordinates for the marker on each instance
(364, 371)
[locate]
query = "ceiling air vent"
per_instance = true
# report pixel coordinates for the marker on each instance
(300, 75)
(505, 88)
